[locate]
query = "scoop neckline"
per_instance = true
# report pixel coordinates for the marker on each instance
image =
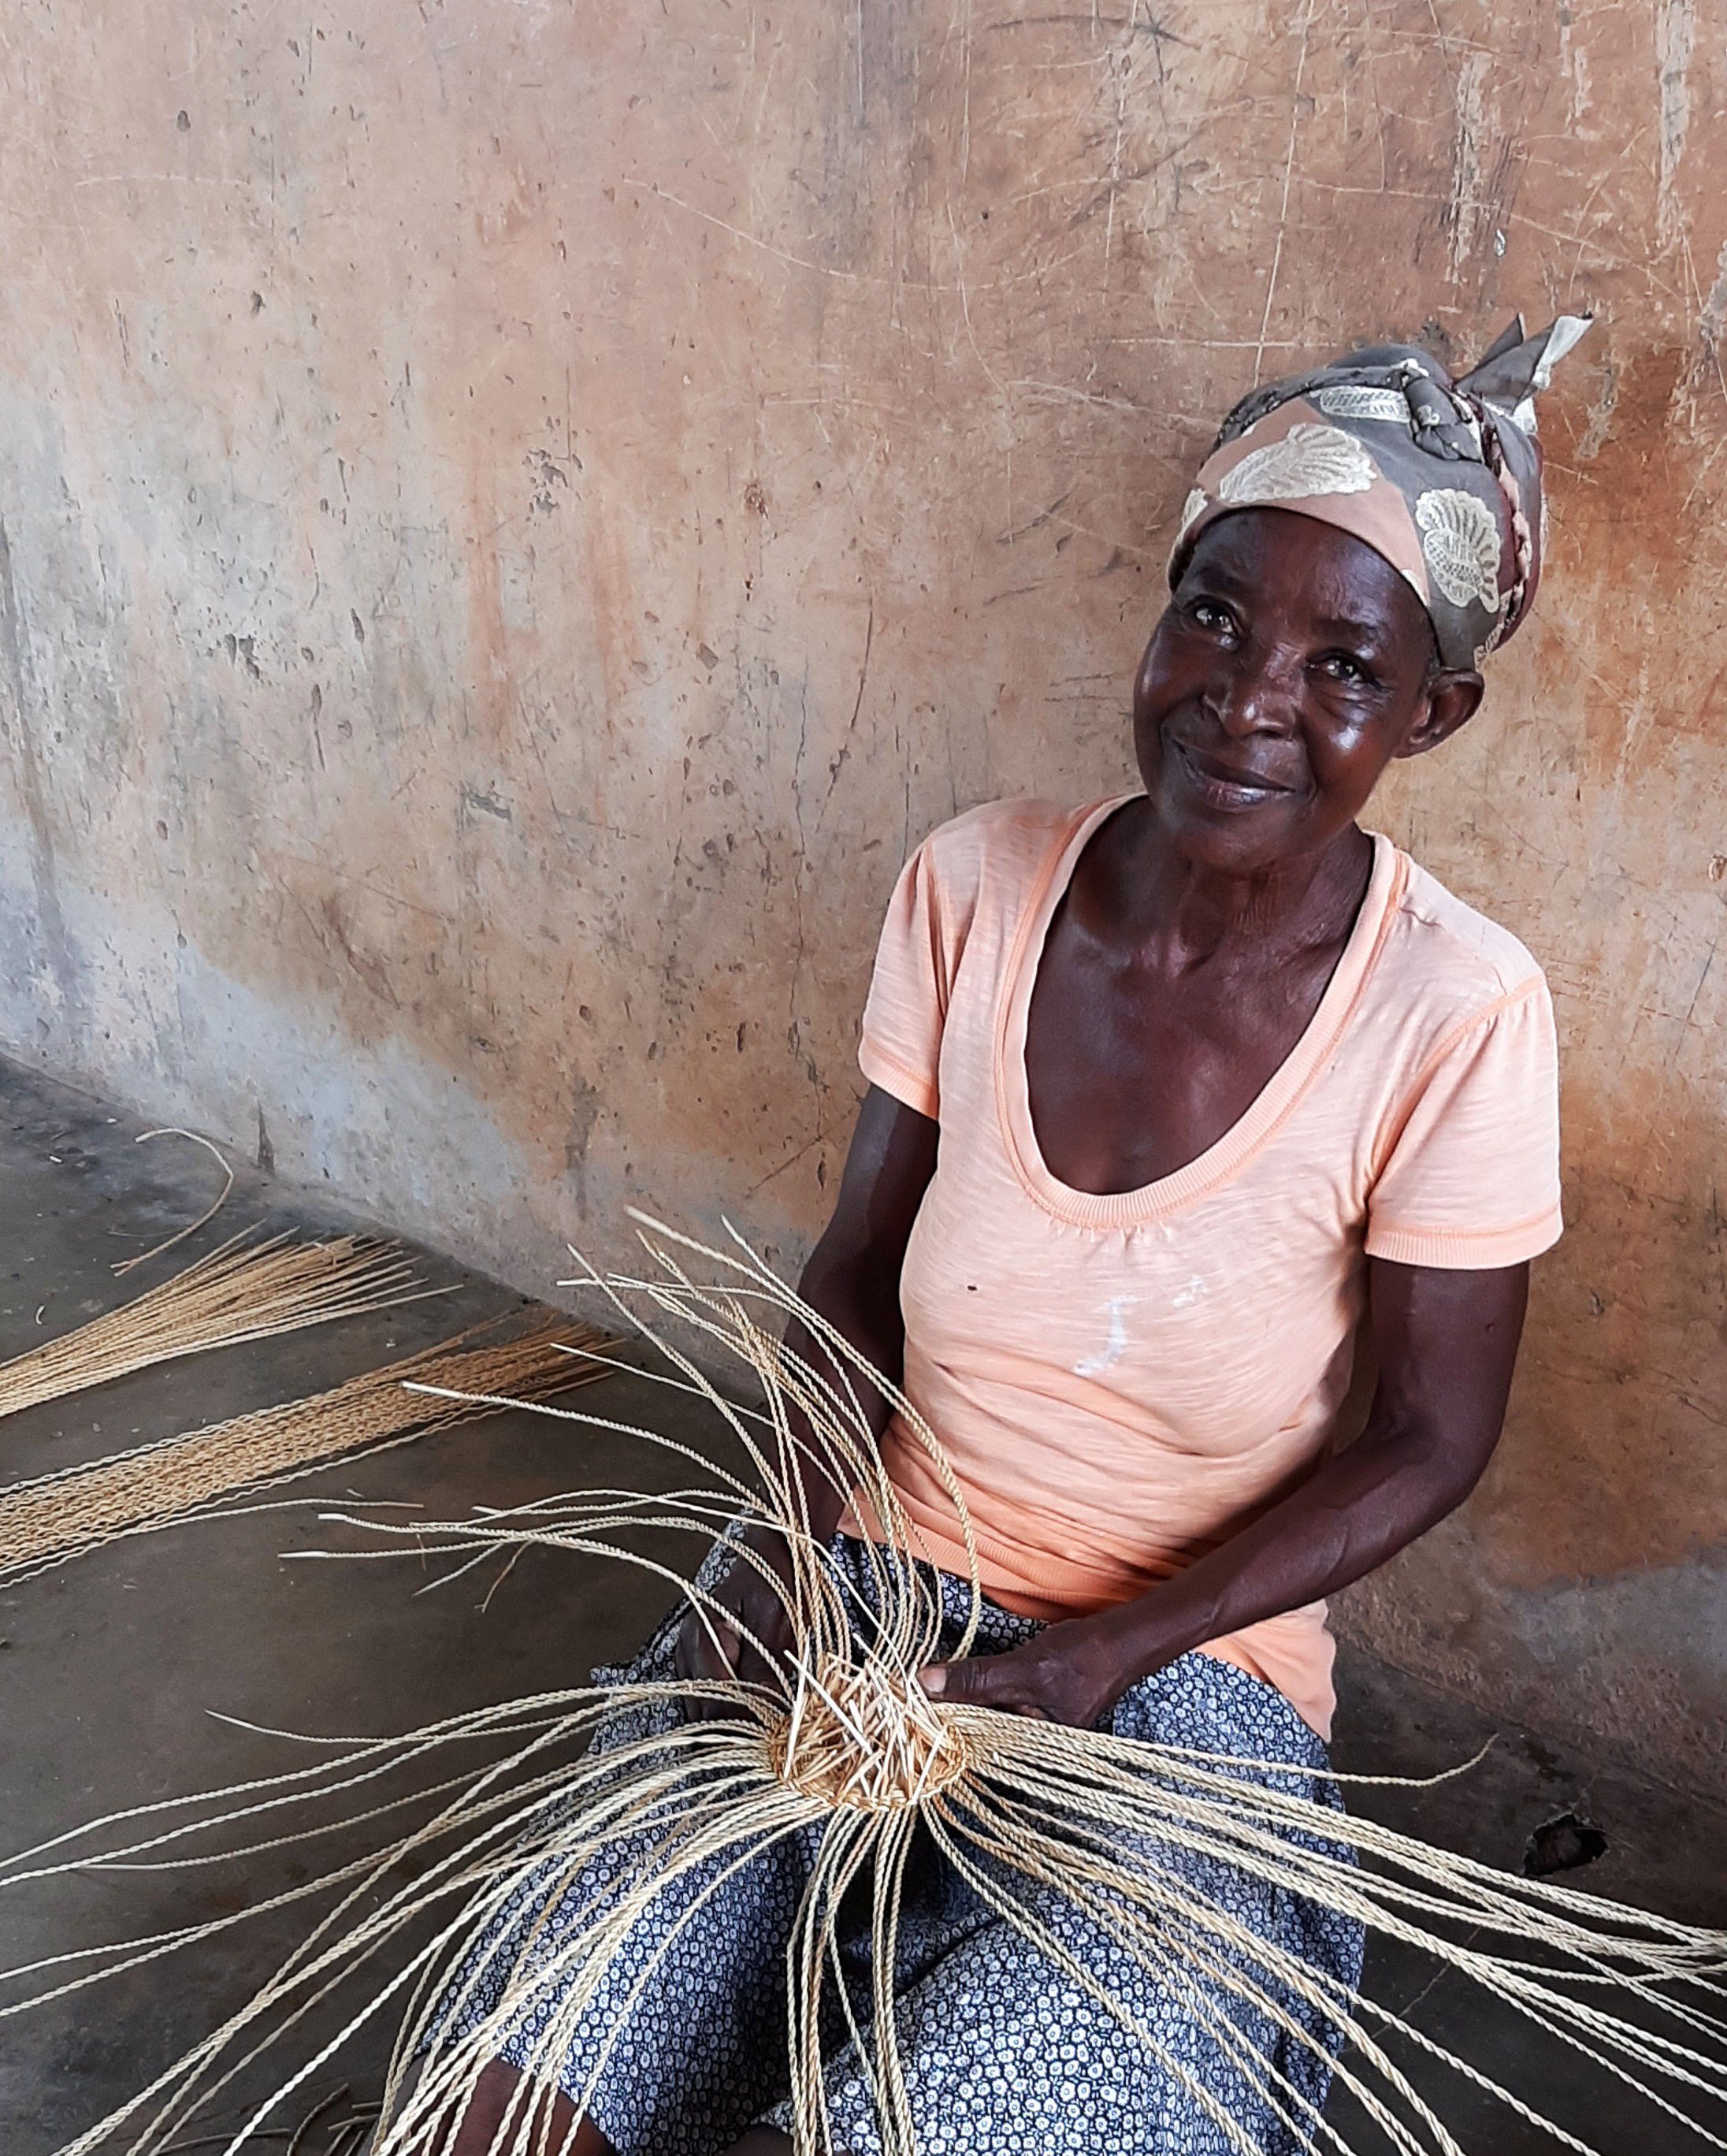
(1226, 1154)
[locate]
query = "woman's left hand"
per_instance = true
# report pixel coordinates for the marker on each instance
(1073, 1673)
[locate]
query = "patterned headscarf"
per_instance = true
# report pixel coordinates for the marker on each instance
(1442, 478)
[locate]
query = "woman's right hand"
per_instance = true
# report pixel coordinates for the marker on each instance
(752, 1600)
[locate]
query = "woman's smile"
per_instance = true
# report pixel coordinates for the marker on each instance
(1220, 782)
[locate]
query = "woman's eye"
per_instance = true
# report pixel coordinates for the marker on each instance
(1207, 615)
(1342, 668)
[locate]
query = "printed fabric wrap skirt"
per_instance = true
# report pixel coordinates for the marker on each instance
(1002, 2051)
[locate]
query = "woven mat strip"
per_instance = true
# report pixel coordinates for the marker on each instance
(53, 1516)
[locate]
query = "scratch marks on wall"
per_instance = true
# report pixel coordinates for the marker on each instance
(476, 803)
(1302, 32)
(737, 231)
(1704, 381)
(1574, 65)
(56, 973)
(1602, 407)
(1712, 316)
(1464, 211)
(1675, 36)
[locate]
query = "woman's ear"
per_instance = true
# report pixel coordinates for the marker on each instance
(1452, 698)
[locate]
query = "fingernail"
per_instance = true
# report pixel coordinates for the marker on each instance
(933, 1681)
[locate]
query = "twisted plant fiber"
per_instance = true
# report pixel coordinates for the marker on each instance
(862, 1756)
(242, 1289)
(46, 1521)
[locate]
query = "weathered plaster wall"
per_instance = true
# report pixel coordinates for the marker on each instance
(513, 517)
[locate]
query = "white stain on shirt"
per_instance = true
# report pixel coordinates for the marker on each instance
(1193, 1292)
(1115, 1346)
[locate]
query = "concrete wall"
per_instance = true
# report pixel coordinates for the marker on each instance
(513, 517)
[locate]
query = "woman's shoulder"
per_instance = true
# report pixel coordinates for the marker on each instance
(994, 826)
(1455, 957)
(1002, 841)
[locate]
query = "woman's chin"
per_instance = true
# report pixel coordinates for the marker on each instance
(1235, 837)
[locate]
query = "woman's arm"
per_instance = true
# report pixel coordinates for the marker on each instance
(1446, 1344)
(853, 1280)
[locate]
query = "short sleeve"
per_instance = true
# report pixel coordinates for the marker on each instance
(900, 1050)
(1471, 1180)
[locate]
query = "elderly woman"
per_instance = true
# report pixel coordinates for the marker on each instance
(1169, 1095)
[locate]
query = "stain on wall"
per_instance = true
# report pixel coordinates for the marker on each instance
(514, 519)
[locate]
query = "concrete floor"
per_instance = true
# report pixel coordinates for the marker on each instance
(112, 1668)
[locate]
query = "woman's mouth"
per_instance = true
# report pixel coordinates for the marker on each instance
(1221, 784)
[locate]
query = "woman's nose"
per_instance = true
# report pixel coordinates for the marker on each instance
(1258, 695)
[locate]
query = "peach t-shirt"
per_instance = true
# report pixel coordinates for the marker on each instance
(1119, 1381)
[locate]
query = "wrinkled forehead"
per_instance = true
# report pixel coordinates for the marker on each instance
(1327, 576)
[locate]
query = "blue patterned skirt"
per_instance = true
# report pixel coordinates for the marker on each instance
(1003, 2050)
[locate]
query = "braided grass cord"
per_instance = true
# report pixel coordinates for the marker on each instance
(54, 1517)
(242, 1289)
(854, 1757)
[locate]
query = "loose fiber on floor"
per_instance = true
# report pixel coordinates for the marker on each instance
(243, 1290)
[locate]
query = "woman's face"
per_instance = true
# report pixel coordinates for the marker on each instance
(1292, 664)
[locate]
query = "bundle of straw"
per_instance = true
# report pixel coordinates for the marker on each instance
(860, 1755)
(243, 1290)
(46, 1521)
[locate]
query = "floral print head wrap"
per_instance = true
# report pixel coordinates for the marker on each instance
(1442, 477)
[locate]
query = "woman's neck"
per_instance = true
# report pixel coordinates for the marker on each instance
(1140, 892)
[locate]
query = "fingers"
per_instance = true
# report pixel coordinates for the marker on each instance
(712, 1647)
(1003, 1681)
(775, 1634)
(699, 1659)
(710, 1654)
(984, 1681)
(761, 1644)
